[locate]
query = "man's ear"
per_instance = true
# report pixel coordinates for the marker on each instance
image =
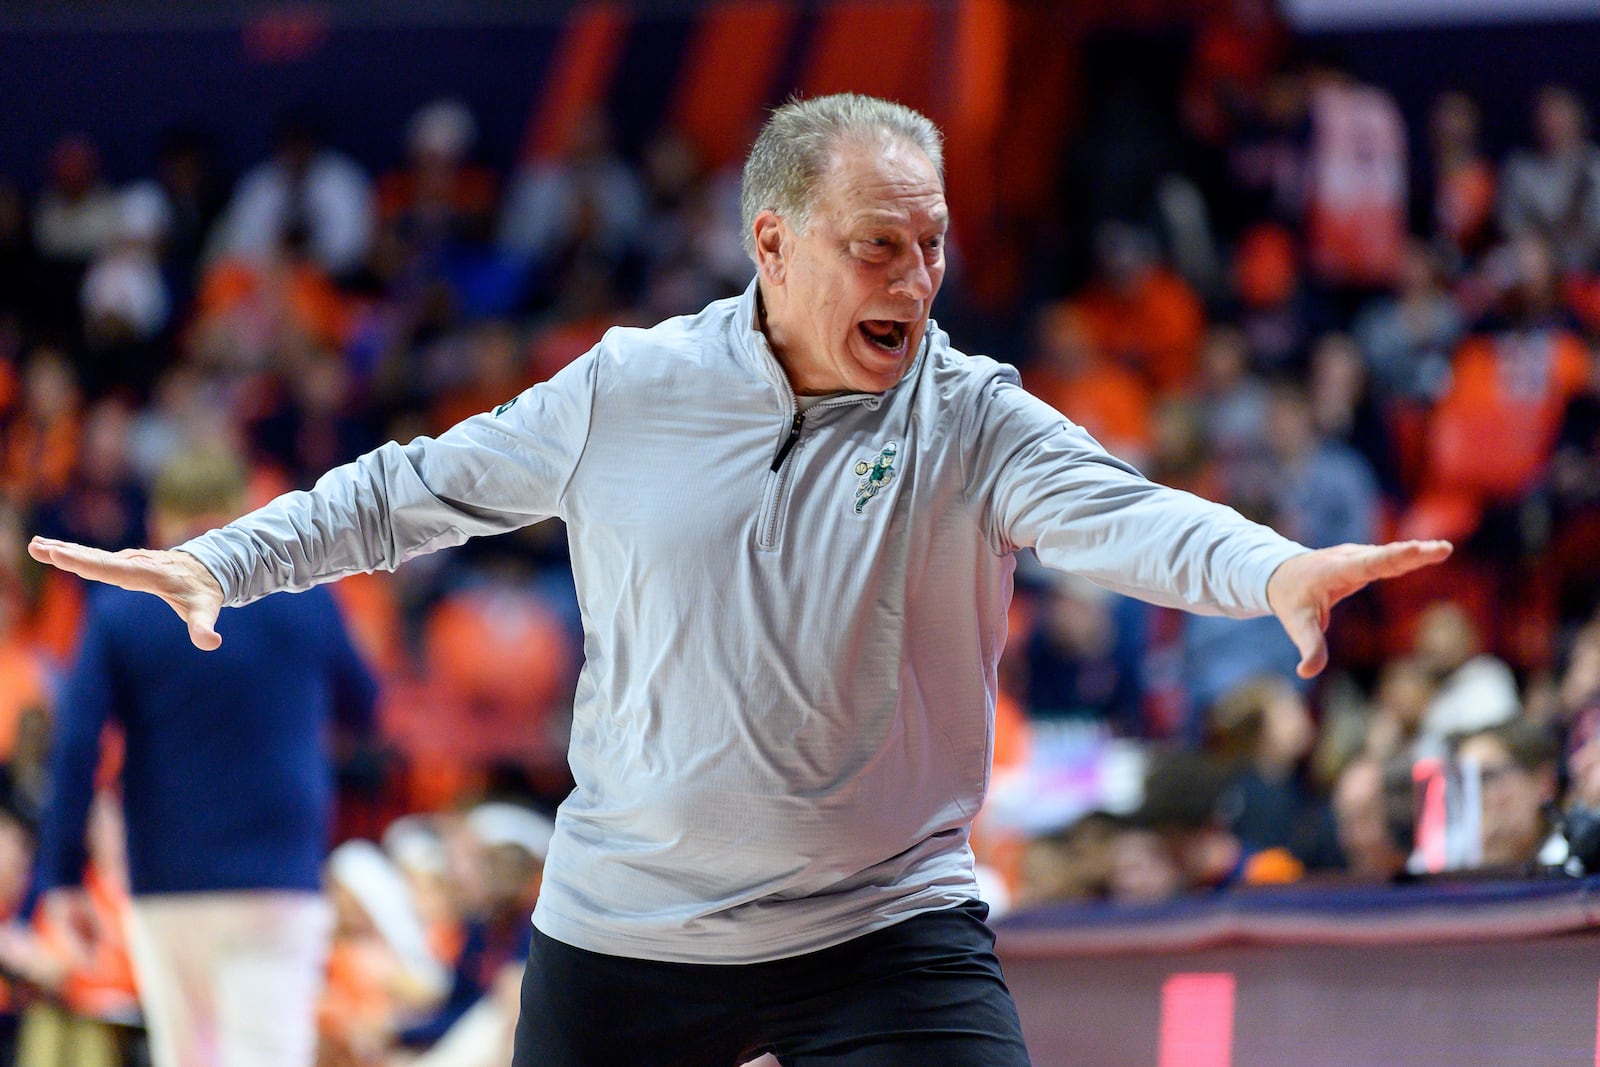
(771, 245)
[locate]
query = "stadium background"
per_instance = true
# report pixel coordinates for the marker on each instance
(1129, 181)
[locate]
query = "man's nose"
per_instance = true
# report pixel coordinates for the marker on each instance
(913, 279)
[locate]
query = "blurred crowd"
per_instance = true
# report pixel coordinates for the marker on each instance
(1345, 327)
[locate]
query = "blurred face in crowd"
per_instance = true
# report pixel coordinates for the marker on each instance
(1287, 731)
(1446, 639)
(1360, 818)
(1513, 801)
(1454, 124)
(1143, 868)
(1558, 117)
(847, 296)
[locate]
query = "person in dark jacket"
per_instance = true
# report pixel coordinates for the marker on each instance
(228, 789)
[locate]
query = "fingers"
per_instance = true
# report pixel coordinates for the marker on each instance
(1305, 630)
(113, 568)
(203, 630)
(1403, 557)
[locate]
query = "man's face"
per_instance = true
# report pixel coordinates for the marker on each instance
(1513, 802)
(847, 299)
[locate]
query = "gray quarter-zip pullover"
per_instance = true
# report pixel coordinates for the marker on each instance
(791, 620)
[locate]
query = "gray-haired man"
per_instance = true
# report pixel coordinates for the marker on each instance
(793, 518)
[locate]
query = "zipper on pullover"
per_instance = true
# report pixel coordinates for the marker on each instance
(775, 498)
(788, 442)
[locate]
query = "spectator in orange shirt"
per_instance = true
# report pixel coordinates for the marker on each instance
(1140, 313)
(248, 311)
(41, 441)
(1071, 375)
(1494, 429)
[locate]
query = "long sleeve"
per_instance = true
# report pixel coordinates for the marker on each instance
(489, 474)
(1040, 482)
(85, 706)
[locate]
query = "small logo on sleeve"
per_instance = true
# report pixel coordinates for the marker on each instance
(503, 408)
(875, 474)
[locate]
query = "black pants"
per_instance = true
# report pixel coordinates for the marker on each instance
(927, 991)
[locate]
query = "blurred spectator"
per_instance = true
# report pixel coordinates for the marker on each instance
(1325, 491)
(74, 220)
(1394, 730)
(440, 196)
(437, 213)
(1234, 401)
(192, 194)
(489, 367)
(381, 970)
(1105, 398)
(1184, 802)
(1493, 429)
(1267, 157)
(306, 187)
(1356, 202)
(474, 1025)
(253, 314)
(27, 683)
(1372, 805)
(1473, 690)
(1408, 339)
(585, 206)
(125, 299)
(1553, 191)
(1140, 314)
(1516, 764)
(1143, 868)
(1262, 732)
(89, 1004)
(227, 788)
(1456, 202)
(691, 237)
(1344, 409)
(187, 411)
(41, 440)
(312, 423)
(1083, 656)
(102, 503)
(1071, 864)
(1275, 309)
(1181, 453)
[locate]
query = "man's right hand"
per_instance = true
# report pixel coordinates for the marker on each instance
(176, 577)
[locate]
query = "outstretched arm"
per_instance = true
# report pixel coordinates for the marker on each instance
(1304, 588)
(176, 577)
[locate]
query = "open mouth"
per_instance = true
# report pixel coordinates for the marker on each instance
(888, 334)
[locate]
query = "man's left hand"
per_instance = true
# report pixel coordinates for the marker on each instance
(1304, 588)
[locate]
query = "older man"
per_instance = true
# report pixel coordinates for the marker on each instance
(793, 519)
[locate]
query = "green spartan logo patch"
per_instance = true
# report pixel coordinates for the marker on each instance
(875, 474)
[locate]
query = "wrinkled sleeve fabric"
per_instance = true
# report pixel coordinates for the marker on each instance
(1038, 481)
(494, 472)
